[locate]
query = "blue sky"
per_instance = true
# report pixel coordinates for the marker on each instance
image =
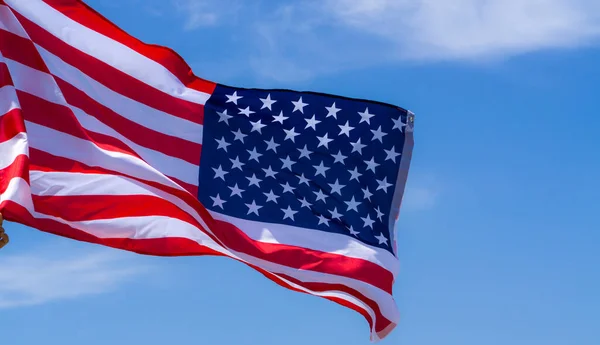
(497, 236)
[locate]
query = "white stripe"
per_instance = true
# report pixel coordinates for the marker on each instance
(8, 99)
(8, 22)
(168, 165)
(34, 82)
(18, 191)
(67, 183)
(42, 85)
(341, 295)
(312, 239)
(73, 184)
(130, 109)
(105, 49)
(65, 145)
(11, 149)
(152, 227)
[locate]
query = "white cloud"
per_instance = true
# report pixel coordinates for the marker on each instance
(200, 13)
(468, 29)
(41, 278)
(298, 39)
(419, 198)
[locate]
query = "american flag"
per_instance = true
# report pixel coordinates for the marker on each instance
(109, 140)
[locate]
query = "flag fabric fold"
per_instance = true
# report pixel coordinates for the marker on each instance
(109, 140)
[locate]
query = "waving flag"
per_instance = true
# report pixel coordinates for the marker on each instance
(108, 140)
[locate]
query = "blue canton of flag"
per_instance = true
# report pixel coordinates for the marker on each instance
(308, 160)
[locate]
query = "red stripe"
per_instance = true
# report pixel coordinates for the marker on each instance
(116, 206)
(303, 258)
(22, 50)
(382, 324)
(111, 77)
(382, 321)
(18, 168)
(5, 78)
(229, 235)
(44, 161)
(27, 54)
(61, 118)
(174, 246)
(143, 136)
(11, 124)
(94, 207)
(87, 16)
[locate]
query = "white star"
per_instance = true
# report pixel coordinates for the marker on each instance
(383, 184)
(371, 165)
(355, 174)
(305, 203)
(236, 191)
(224, 117)
(289, 213)
(271, 196)
(368, 221)
(267, 102)
(304, 152)
(332, 111)
(378, 134)
(254, 154)
(287, 188)
(254, 181)
(269, 172)
(222, 144)
(391, 154)
(367, 193)
(233, 98)
(336, 187)
(287, 163)
(379, 213)
(357, 147)
(299, 105)
(353, 232)
(399, 124)
(339, 158)
(239, 136)
(253, 208)
(257, 126)
(236, 164)
(324, 141)
(291, 134)
(352, 204)
(246, 111)
(365, 116)
(303, 180)
(280, 118)
(335, 214)
(320, 196)
(271, 145)
(217, 201)
(345, 129)
(381, 239)
(323, 220)
(312, 123)
(320, 169)
(220, 173)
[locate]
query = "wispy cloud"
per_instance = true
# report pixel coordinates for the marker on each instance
(200, 13)
(468, 29)
(419, 198)
(34, 279)
(298, 39)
